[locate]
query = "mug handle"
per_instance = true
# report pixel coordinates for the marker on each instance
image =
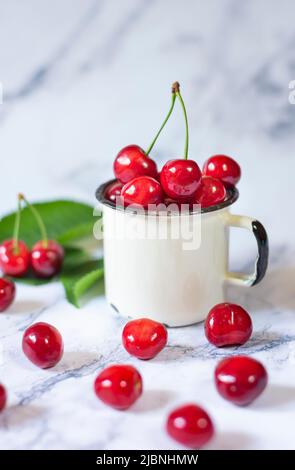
(240, 279)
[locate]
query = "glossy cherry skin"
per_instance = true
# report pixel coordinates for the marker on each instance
(210, 192)
(132, 162)
(144, 338)
(113, 191)
(180, 178)
(3, 397)
(43, 345)
(227, 325)
(14, 263)
(7, 293)
(142, 191)
(223, 168)
(190, 425)
(118, 386)
(47, 260)
(240, 379)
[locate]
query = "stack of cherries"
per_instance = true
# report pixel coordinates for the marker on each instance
(45, 259)
(238, 379)
(180, 181)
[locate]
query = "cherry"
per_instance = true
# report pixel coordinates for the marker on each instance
(131, 162)
(113, 191)
(118, 386)
(7, 293)
(47, 258)
(210, 192)
(240, 379)
(47, 255)
(43, 345)
(180, 178)
(144, 338)
(224, 168)
(190, 425)
(228, 324)
(3, 397)
(14, 258)
(142, 191)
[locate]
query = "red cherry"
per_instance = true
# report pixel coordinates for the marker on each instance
(142, 191)
(190, 425)
(210, 192)
(118, 386)
(228, 324)
(47, 258)
(144, 338)
(223, 168)
(131, 162)
(113, 191)
(43, 345)
(168, 201)
(3, 397)
(180, 178)
(7, 293)
(240, 379)
(14, 262)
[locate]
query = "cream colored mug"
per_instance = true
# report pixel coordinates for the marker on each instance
(167, 279)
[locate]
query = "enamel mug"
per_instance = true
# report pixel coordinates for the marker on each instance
(163, 274)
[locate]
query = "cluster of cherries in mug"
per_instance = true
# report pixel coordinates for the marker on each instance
(180, 181)
(238, 379)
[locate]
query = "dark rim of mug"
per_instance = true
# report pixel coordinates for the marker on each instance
(232, 196)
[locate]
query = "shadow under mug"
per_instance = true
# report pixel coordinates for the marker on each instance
(159, 279)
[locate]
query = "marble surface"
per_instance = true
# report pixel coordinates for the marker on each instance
(81, 79)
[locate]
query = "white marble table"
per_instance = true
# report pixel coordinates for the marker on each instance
(81, 79)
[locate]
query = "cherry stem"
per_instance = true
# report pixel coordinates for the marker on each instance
(165, 120)
(178, 94)
(16, 227)
(38, 218)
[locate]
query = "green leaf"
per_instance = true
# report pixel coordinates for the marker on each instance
(78, 279)
(65, 222)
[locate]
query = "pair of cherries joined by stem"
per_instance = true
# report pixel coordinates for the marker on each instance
(180, 180)
(45, 259)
